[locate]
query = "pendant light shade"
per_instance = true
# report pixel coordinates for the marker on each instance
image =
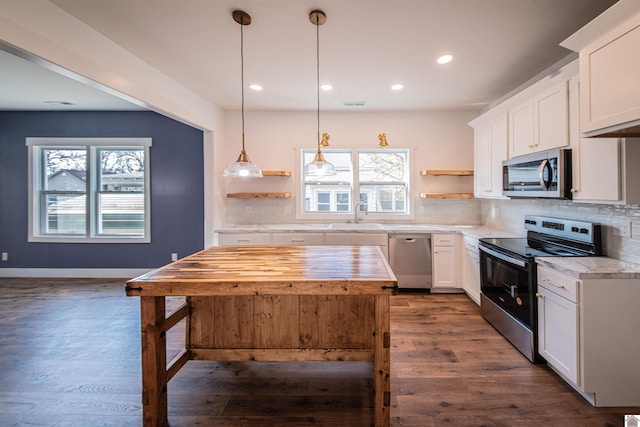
(319, 166)
(243, 167)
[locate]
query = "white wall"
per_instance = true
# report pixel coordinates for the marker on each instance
(442, 140)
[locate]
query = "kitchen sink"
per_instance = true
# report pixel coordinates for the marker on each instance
(354, 226)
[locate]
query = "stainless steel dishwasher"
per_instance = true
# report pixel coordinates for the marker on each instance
(410, 260)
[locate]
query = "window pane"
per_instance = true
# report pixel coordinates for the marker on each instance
(65, 170)
(121, 213)
(384, 177)
(329, 186)
(122, 170)
(386, 198)
(342, 202)
(386, 166)
(65, 214)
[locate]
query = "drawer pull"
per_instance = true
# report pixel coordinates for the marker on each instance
(243, 240)
(297, 240)
(554, 284)
(444, 241)
(471, 247)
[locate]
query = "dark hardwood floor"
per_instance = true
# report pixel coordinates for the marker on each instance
(70, 356)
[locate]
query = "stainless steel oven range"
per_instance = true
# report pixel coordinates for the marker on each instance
(508, 281)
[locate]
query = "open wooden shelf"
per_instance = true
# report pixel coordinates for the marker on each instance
(284, 195)
(436, 172)
(446, 195)
(276, 173)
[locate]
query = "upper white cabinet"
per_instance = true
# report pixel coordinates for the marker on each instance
(541, 122)
(604, 169)
(609, 49)
(490, 144)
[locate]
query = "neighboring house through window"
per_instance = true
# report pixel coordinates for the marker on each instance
(378, 178)
(89, 190)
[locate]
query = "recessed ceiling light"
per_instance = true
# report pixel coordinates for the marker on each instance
(397, 86)
(326, 86)
(255, 86)
(444, 59)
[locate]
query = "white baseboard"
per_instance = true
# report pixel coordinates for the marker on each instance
(98, 273)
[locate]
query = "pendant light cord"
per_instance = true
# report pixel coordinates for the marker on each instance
(318, 74)
(242, 77)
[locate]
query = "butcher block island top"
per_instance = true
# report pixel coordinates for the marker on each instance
(271, 270)
(279, 303)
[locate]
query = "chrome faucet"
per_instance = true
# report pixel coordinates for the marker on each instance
(355, 211)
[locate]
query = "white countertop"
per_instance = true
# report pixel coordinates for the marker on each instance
(591, 267)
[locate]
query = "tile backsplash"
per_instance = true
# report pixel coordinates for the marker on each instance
(500, 214)
(283, 211)
(509, 215)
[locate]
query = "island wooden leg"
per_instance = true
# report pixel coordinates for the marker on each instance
(154, 362)
(382, 363)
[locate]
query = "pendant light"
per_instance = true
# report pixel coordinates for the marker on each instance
(319, 166)
(243, 167)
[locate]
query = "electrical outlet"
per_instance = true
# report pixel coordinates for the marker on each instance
(287, 210)
(421, 209)
(174, 256)
(247, 210)
(5, 256)
(622, 228)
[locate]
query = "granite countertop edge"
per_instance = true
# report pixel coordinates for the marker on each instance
(591, 267)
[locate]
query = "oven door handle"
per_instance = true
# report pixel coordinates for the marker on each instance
(503, 257)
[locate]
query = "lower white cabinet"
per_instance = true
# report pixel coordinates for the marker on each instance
(244, 239)
(558, 323)
(297, 239)
(588, 334)
(445, 261)
(471, 268)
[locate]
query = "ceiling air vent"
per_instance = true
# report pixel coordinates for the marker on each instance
(354, 103)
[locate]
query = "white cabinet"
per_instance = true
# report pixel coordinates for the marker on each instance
(444, 261)
(558, 322)
(490, 143)
(244, 239)
(357, 239)
(471, 268)
(609, 50)
(604, 169)
(587, 329)
(297, 239)
(541, 122)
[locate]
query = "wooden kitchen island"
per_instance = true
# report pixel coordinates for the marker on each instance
(276, 303)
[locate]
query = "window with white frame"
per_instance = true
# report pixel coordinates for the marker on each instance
(379, 178)
(89, 189)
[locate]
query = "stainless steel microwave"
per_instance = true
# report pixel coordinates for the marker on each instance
(545, 174)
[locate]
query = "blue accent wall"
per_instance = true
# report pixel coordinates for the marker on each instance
(177, 189)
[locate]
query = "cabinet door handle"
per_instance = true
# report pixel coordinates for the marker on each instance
(539, 295)
(574, 190)
(557, 285)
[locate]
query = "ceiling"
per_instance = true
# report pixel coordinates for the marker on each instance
(365, 47)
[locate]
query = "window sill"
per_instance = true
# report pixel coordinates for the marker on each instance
(103, 240)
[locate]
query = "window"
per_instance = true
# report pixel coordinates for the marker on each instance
(379, 178)
(89, 189)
